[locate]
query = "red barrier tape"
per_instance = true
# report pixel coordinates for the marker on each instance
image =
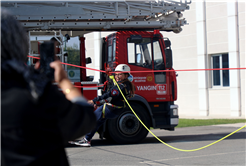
(88, 86)
(83, 67)
(187, 70)
(71, 65)
(150, 70)
(79, 67)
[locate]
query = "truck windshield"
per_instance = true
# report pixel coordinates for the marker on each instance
(140, 53)
(158, 58)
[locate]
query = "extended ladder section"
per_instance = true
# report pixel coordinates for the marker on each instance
(100, 15)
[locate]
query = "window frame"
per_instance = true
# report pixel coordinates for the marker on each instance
(142, 53)
(113, 50)
(220, 71)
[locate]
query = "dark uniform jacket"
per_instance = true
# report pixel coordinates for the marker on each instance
(36, 127)
(114, 97)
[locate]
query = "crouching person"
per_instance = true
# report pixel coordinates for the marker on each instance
(112, 102)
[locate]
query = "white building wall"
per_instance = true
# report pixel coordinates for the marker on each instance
(242, 60)
(93, 43)
(217, 35)
(214, 27)
(89, 52)
(184, 47)
(201, 34)
(233, 58)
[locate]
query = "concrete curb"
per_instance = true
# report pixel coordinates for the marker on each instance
(237, 125)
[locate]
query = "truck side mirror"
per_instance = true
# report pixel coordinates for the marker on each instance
(169, 59)
(167, 43)
(88, 60)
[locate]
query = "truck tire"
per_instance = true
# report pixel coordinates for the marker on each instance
(126, 128)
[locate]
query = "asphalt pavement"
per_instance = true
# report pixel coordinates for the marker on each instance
(150, 151)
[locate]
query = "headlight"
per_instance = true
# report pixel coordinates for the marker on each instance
(175, 109)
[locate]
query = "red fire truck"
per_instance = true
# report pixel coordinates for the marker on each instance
(137, 42)
(147, 54)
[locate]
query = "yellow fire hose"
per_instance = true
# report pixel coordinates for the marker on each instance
(183, 150)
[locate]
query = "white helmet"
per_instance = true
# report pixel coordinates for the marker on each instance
(123, 68)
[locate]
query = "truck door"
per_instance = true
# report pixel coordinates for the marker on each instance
(145, 55)
(139, 50)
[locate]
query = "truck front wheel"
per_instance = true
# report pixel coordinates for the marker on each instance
(126, 128)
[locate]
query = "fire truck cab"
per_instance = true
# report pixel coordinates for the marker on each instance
(147, 54)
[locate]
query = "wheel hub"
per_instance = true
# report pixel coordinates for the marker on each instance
(128, 124)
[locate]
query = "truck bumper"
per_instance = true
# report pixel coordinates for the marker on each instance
(174, 120)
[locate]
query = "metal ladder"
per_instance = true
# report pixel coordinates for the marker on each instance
(100, 15)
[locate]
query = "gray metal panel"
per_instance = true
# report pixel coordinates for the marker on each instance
(106, 15)
(162, 25)
(56, 1)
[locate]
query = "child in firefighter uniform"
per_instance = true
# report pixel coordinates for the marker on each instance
(111, 103)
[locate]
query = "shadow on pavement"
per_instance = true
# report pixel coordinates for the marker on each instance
(172, 139)
(194, 138)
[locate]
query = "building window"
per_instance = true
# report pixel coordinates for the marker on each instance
(220, 77)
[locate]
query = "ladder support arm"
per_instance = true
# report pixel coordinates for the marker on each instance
(99, 16)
